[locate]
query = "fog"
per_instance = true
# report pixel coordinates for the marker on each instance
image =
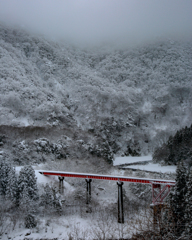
(97, 21)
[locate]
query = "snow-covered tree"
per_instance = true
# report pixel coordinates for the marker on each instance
(50, 200)
(30, 221)
(5, 168)
(177, 148)
(177, 198)
(26, 204)
(12, 186)
(27, 184)
(47, 198)
(57, 203)
(96, 84)
(174, 215)
(188, 209)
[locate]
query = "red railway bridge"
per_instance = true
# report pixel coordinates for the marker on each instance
(160, 187)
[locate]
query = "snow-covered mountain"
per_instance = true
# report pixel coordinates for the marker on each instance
(103, 100)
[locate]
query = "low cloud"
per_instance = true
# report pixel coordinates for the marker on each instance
(96, 21)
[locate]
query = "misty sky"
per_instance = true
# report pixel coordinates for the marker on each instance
(101, 20)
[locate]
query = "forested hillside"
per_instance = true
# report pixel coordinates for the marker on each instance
(103, 101)
(178, 148)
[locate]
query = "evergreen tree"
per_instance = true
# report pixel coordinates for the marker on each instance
(167, 229)
(27, 184)
(30, 221)
(188, 209)
(26, 204)
(12, 186)
(57, 203)
(50, 200)
(174, 218)
(5, 168)
(177, 199)
(47, 198)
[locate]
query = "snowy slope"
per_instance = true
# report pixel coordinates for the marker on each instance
(131, 98)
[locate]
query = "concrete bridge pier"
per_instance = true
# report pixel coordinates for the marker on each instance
(88, 193)
(120, 202)
(61, 186)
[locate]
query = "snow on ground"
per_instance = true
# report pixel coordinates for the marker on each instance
(154, 167)
(72, 227)
(55, 227)
(129, 160)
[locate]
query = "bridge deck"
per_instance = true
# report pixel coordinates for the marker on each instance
(108, 177)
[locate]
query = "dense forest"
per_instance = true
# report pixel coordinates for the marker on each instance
(103, 101)
(177, 148)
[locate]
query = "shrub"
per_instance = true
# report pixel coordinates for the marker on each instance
(30, 221)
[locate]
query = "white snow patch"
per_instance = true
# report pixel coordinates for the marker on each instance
(146, 107)
(55, 228)
(161, 127)
(154, 167)
(18, 169)
(129, 160)
(25, 121)
(42, 179)
(22, 121)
